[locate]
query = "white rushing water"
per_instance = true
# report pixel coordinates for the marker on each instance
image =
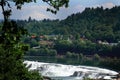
(69, 72)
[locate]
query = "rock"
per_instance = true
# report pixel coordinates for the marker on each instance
(46, 78)
(77, 74)
(118, 76)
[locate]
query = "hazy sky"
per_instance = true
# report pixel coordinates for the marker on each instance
(38, 10)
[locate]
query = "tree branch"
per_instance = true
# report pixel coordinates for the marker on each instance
(3, 10)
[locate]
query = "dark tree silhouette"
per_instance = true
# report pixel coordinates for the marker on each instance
(11, 48)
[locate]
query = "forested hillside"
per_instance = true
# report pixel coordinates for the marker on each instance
(93, 24)
(96, 24)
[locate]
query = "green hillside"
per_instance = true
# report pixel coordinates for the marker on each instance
(93, 23)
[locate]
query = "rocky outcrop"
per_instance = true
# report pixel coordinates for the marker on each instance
(77, 74)
(118, 76)
(97, 76)
(46, 78)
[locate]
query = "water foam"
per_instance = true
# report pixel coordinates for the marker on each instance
(63, 71)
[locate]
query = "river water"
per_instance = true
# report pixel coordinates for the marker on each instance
(70, 72)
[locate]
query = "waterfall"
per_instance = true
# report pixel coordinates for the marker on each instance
(69, 72)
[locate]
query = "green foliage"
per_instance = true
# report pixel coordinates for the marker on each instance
(11, 53)
(116, 50)
(96, 57)
(62, 46)
(34, 75)
(11, 35)
(33, 43)
(42, 52)
(72, 55)
(55, 4)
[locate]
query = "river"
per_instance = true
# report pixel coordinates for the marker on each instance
(70, 72)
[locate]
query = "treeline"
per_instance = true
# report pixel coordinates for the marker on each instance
(87, 47)
(42, 52)
(80, 46)
(96, 24)
(93, 23)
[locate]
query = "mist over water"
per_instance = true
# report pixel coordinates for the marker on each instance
(69, 72)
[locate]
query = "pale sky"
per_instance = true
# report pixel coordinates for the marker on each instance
(38, 10)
